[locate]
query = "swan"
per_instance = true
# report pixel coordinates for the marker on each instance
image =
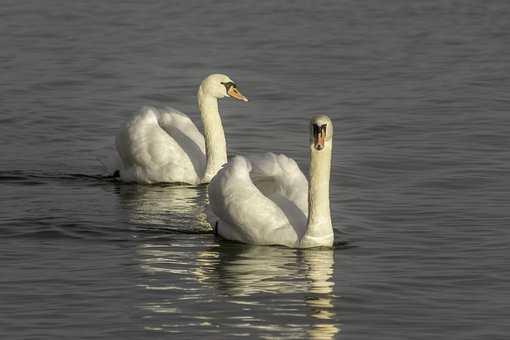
(165, 146)
(266, 200)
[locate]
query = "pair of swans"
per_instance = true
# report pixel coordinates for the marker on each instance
(263, 200)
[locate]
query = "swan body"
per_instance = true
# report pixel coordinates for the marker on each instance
(267, 200)
(164, 145)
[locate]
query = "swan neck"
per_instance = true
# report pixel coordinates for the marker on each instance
(319, 230)
(215, 144)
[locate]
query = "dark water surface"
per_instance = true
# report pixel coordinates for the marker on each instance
(418, 92)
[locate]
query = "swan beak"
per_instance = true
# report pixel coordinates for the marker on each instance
(319, 133)
(234, 93)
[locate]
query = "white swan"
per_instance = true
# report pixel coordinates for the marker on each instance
(165, 146)
(266, 200)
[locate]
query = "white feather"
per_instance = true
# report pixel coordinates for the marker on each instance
(260, 200)
(165, 146)
(266, 199)
(161, 146)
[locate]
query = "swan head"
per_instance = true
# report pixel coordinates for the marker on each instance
(220, 86)
(321, 131)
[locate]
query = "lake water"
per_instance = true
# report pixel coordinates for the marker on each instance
(420, 191)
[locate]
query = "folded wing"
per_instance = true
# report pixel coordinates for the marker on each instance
(161, 146)
(261, 199)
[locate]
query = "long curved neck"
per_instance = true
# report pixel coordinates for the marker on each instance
(215, 144)
(319, 230)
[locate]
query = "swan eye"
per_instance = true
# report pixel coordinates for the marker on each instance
(229, 85)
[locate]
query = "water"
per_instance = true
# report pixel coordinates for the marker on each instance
(418, 92)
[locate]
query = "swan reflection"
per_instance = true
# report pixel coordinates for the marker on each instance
(319, 275)
(162, 204)
(241, 271)
(271, 291)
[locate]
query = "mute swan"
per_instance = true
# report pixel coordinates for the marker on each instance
(266, 200)
(165, 146)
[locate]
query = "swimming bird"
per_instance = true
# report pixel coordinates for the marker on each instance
(164, 145)
(266, 200)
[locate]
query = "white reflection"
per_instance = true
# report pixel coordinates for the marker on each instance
(255, 270)
(153, 204)
(266, 284)
(321, 285)
(242, 271)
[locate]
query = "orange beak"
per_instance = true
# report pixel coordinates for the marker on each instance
(234, 93)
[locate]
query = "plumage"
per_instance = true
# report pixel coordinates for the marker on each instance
(161, 146)
(164, 145)
(249, 193)
(267, 200)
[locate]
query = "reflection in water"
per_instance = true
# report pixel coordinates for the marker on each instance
(282, 292)
(239, 270)
(163, 204)
(319, 273)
